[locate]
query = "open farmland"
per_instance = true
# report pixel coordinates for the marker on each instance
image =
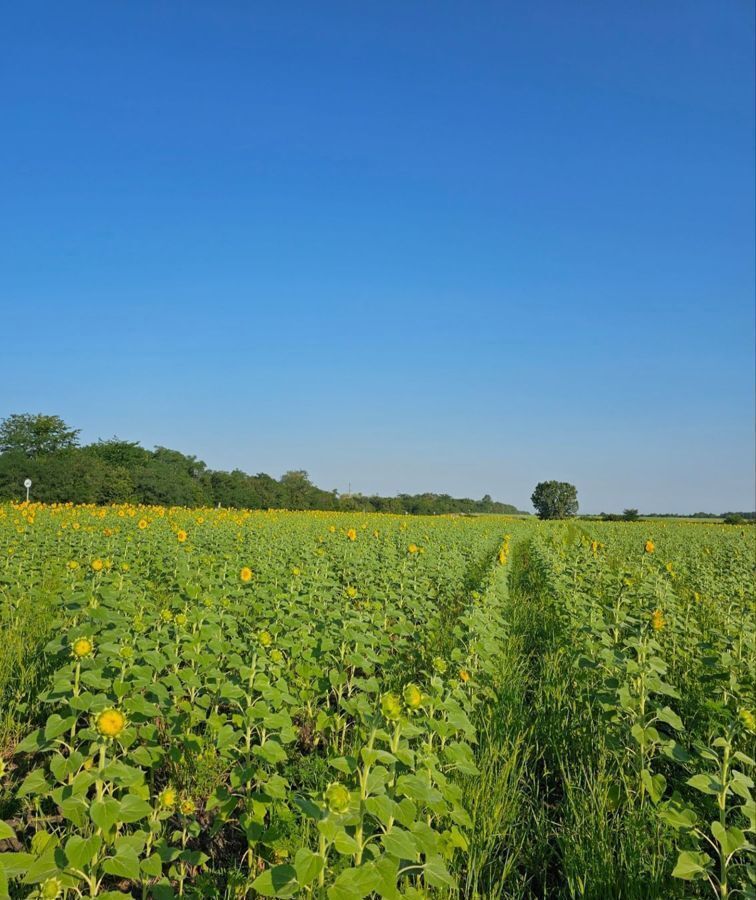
(216, 703)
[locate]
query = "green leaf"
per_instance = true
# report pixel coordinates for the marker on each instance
(461, 756)
(80, 851)
(382, 807)
(133, 809)
(48, 865)
(104, 813)
(55, 726)
(125, 864)
(354, 884)
(16, 864)
(691, 865)
(75, 810)
(345, 843)
(670, 717)
(678, 816)
(437, 874)
(654, 784)
(308, 866)
(6, 831)
(152, 866)
(34, 783)
(278, 881)
(270, 751)
(705, 783)
(729, 839)
(34, 741)
(401, 844)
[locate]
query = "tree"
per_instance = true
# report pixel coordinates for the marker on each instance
(630, 515)
(555, 499)
(36, 434)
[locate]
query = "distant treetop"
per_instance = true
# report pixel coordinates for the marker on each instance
(46, 450)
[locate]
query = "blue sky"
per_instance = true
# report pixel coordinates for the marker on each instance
(455, 247)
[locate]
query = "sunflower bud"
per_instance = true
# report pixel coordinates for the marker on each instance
(413, 696)
(336, 797)
(391, 707)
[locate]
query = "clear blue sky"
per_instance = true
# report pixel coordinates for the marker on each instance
(411, 246)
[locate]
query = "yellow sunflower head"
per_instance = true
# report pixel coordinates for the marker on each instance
(167, 798)
(97, 565)
(82, 647)
(181, 536)
(246, 574)
(110, 722)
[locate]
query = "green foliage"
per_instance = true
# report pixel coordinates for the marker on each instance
(185, 696)
(555, 499)
(33, 435)
(44, 449)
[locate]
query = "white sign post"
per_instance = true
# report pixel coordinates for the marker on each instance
(27, 485)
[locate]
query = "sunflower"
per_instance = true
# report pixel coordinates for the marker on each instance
(336, 797)
(181, 536)
(352, 534)
(82, 647)
(167, 798)
(265, 638)
(246, 574)
(111, 722)
(391, 707)
(97, 565)
(464, 675)
(413, 548)
(649, 546)
(51, 888)
(413, 696)
(142, 524)
(187, 806)
(657, 620)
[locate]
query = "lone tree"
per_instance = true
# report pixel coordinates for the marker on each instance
(630, 515)
(555, 499)
(34, 435)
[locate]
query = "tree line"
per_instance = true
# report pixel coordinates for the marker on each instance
(47, 450)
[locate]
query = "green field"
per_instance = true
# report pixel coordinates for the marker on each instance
(219, 703)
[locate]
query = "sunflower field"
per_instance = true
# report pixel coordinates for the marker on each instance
(220, 703)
